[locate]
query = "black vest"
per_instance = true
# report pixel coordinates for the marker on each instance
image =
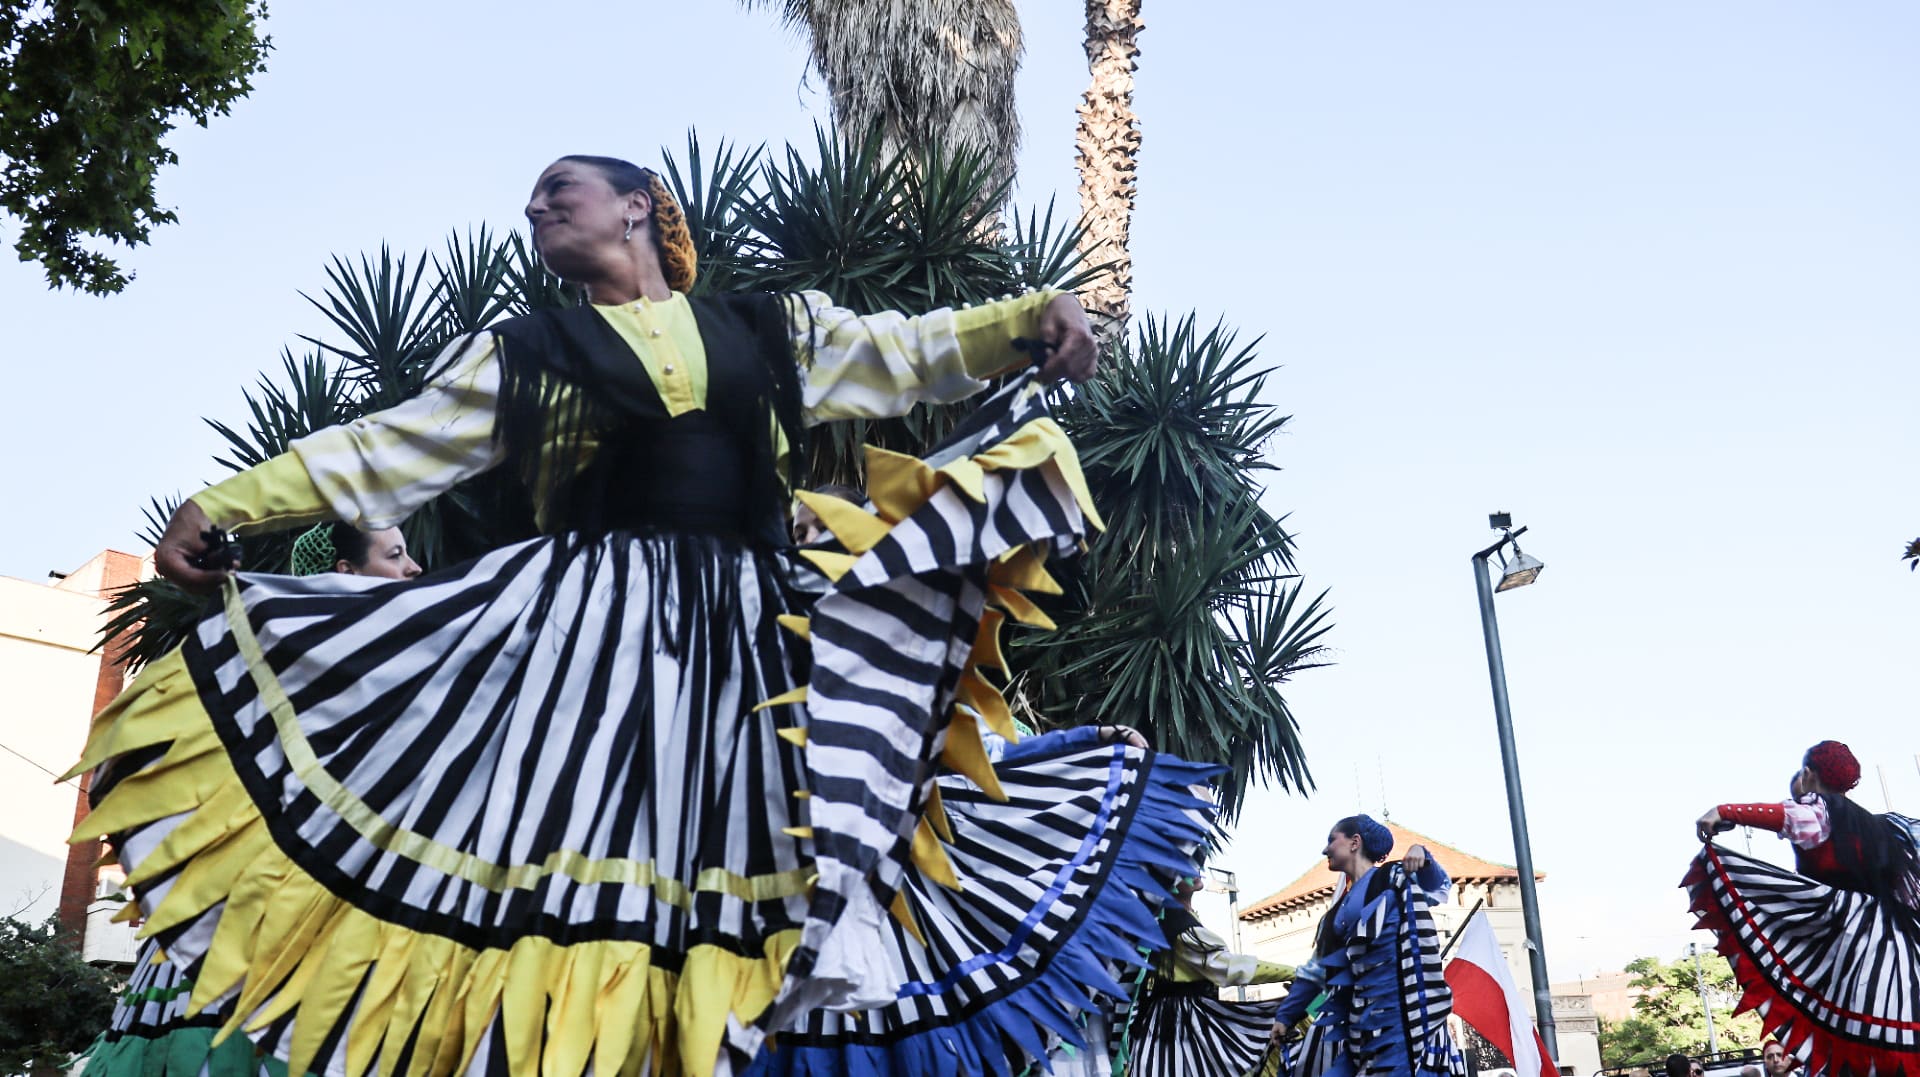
(710, 471)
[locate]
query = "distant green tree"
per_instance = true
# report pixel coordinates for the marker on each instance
(1636, 1040)
(52, 1003)
(1669, 1018)
(92, 87)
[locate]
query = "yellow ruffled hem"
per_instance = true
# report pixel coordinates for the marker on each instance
(289, 944)
(898, 485)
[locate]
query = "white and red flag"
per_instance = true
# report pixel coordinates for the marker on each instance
(1485, 998)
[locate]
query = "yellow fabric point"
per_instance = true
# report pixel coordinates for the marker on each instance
(791, 695)
(108, 859)
(796, 624)
(833, 565)
(802, 794)
(441, 1040)
(229, 811)
(980, 694)
(526, 983)
(295, 913)
(904, 915)
(155, 793)
(1025, 568)
(424, 986)
(339, 968)
(897, 484)
(142, 718)
(856, 528)
(967, 755)
(127, 914)
(568, 1041)
(1021, 607)
(621, 1013)
(285, 993)
(227, 958)
(931, 856)
(986, 642)
(794, 735)
(377, 1004)
(703, 1003)
(968, 476)
(207, 878)
(477, 1003)
(937, 813)
(804, 833)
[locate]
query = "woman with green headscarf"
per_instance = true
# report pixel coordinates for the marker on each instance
(150, 1034)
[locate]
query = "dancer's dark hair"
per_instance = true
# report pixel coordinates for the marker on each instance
(1875, 852)
(350, 544)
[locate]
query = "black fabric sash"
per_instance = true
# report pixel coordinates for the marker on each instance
(711, 471)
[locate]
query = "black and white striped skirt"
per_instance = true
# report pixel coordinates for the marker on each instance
(1188, 1030)
(637, 822)
(1834, 974)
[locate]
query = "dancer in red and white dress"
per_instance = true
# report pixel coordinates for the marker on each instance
(1828, 954)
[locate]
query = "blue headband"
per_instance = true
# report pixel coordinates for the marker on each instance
(1376, 841)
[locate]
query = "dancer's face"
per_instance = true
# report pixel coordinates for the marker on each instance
(1802, 782)
(387, 557)
(807, 527)
(579, 221)
(1342, 851)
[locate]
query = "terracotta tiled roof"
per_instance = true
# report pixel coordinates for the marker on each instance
(1317, 882)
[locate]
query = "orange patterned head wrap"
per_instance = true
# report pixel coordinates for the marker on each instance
(678, 262)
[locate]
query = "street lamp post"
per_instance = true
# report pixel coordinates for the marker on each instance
(1518, 572)
(1222, 879)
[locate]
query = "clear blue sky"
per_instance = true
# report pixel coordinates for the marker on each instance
(1642, 273)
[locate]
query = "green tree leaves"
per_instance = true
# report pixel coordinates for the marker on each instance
(52, 1003)
(1669, 1018)
(91, 89)
(1186, 617)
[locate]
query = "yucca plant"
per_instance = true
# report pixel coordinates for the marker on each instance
(1185, 617)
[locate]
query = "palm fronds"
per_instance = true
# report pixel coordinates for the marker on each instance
(1186, 617)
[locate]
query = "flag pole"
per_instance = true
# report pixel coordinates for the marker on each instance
(1471, 913)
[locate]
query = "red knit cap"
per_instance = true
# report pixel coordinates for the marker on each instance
(1833, 763)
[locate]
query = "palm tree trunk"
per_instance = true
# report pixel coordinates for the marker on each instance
(1109, 145)
(924, 72)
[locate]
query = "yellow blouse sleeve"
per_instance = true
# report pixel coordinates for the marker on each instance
(376, 470)
(276, 494)
(873, 366)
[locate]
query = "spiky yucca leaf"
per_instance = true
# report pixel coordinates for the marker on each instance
(711, 195)
(470, 292)
(1185, 618)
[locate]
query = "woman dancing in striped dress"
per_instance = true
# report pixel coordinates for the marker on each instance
(1829, 954)
(629, 798)
(1382, 1003)
(1179, 1025)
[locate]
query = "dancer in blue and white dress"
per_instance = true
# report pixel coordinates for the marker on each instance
(1376, 961)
